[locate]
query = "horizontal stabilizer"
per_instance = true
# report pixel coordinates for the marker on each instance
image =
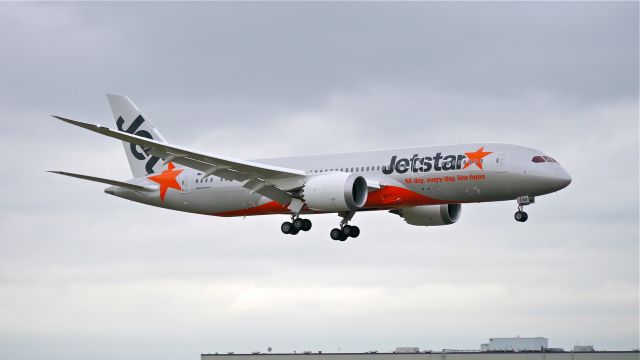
(121, 184)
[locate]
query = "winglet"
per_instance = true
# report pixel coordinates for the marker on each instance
(80, 123)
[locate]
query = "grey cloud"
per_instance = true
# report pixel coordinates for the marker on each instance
(80, 269)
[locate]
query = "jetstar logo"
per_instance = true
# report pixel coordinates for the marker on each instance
(167, 180)
(438, 162)
(476, 157)
(133, 129)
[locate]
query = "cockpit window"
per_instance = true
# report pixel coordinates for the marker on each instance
(549, 159)
(537, 159)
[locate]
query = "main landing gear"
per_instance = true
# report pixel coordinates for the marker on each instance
(295, 225)
(345, 231)
(342, 233)
(520, 215)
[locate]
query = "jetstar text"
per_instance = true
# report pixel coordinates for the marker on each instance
(424, 164)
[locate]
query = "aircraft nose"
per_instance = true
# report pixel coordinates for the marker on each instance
(562, 178)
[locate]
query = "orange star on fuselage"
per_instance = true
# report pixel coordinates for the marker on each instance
(476, 157)
(167, 179)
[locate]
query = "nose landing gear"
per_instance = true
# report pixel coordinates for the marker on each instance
(520, 215)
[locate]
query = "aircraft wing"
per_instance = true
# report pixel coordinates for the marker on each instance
(271, 181)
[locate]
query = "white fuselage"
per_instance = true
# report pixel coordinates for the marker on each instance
(399, 178)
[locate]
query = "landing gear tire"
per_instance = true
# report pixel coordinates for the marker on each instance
(355, 232)
(294, 231)
(307, 225)
(286, 227)
(351, 231)
(521, 216)
(302, 224)
(337, 234)
(298, 224)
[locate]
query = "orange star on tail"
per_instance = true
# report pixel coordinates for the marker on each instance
(167, 179)
(476, 157)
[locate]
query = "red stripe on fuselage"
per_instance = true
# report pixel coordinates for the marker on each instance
(388, 197)
(272, 207)
(394, 196)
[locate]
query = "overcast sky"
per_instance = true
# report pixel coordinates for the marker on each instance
(83, 272)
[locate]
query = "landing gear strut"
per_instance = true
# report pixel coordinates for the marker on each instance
(345, 231)
(520, 215)
(296, 225)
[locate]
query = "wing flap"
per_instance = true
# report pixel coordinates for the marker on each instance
(248, 181)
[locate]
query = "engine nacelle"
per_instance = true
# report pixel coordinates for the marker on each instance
(335, 192)
(431, 215)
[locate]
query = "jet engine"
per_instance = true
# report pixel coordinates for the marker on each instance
(335, 192)
(430, 215)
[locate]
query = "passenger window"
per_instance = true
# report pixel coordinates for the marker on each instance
(537, 159)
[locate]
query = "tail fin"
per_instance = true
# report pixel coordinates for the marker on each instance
(129, 119)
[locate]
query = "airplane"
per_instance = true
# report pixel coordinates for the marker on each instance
(425, 186)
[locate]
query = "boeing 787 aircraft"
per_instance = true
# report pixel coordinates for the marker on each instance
(425, 186)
